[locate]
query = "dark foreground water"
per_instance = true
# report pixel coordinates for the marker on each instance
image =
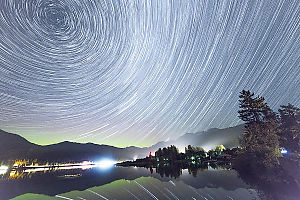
(127, 183)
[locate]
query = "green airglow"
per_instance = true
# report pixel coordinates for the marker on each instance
(48, 138)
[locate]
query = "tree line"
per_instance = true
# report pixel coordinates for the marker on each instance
(171, 153)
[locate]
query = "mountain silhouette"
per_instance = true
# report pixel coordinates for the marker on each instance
(13, 146)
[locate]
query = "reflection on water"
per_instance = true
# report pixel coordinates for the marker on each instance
(26, 171)
(163, 182)
(150, 188)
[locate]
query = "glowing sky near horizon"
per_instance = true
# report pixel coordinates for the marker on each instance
(138, 72)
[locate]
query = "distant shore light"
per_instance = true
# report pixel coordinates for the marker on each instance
(3, 170)
(283, 150)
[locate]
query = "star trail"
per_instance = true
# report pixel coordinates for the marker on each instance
(138, 72)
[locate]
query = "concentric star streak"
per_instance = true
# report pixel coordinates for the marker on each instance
(137, 72)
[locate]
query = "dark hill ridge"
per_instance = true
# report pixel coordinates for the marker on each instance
(13, 146)
(79, 151)
(11, 140)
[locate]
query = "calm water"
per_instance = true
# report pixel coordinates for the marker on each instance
(128, 183)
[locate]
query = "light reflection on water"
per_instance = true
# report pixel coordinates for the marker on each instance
(127, 183)
(23, 171)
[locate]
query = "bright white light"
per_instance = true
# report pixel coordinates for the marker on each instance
(283, 151)
(105, 163)
(3, 170)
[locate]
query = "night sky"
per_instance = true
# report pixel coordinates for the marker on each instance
(138, 72)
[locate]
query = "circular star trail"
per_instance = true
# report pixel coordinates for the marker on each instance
(138, 72)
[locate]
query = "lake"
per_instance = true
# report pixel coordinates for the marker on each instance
(127, 183)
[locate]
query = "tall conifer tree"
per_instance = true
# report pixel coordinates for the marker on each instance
(262, 129)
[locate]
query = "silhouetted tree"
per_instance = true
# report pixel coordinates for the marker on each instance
(195, 151)
(260, 140)
(173, 152)
(167, 153)
(159, 153)
(290, 127)
(211, 154)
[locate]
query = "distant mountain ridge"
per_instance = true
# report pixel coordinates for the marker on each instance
(229, 137)
(13, 146)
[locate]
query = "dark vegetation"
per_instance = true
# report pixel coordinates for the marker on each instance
(194, 157)
(259, 161)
